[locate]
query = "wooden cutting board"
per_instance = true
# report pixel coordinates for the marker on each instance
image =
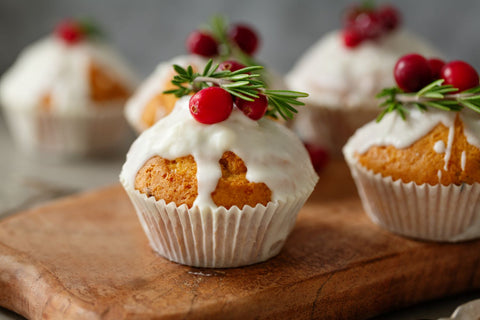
(86, 257)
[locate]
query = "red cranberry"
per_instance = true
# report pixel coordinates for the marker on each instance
(412, 72)
(69, 31)
(389, 17)
(369, 25)
(202, 43)
(231, 65)
(460, 75)
(211, 105)
(352, 37)
(318, 156)
(245, 37)
(253, 109)
(352, 13)
(436, 66)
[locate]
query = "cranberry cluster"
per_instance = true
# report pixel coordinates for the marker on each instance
(412, 72)
(367, 23)
(203, 43)
(214, 104)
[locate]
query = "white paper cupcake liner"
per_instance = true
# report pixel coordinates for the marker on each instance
(330, 128)
(437, 213)
(216, 237)
(64, 135)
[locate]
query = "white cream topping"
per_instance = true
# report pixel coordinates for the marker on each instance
(339, 77)
(463, 160)
(439, 146)
(154, 85)
(51, 66)
(393, 130)
(272, 154)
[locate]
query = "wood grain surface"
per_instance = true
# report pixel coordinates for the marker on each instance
(86, 257)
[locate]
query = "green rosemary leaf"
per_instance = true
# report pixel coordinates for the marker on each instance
(432, 85)
(179, 70)
(246, 70)
(237, 94)
(437, 105)
(235, 84)
(470, 105)
(433, 95)
(472, 90)
(381, 115)
(287, 93)
(206, 70)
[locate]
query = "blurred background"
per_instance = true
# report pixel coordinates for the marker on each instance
(148, 31)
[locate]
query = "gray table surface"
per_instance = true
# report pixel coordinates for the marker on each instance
(28, 182)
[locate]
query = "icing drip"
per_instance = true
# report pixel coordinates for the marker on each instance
(272, 154)
(439, 174)
(463, 160)
(51, 66)
(337, 77)
(439, 146)
(448, 151)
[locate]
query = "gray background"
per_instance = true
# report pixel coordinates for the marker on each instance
(149, 31)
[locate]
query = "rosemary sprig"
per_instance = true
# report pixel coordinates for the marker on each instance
(435, 95)
(242, 83)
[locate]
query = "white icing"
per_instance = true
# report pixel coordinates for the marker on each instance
(393, 130)
(439, 146)
(439, 174)
(463, 160)
(153, 86)
(51, 66)
(272, 154)
(336, 76)
(448, 151)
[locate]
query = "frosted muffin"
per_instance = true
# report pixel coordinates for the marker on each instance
(64, 95)
(343, 77)
(217, 191)
(420, 176)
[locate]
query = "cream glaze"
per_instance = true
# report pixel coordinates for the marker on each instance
(338, 77)
(272, 153)
(153, 86)
(395, 131)
(51, 66)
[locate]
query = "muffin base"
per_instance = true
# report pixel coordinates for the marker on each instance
(216, 237)
(436, 213)
(52, 135)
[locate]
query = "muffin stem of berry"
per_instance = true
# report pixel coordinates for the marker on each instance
(457, 88)
(256, 99)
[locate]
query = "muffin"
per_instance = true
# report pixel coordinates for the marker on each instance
(219, 189)
(231, 46)
(64, 95)
(343, 76)
(420, 176)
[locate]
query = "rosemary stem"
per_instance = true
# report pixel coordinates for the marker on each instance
(212, 80)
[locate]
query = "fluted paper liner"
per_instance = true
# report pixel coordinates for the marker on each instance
(216, 237)
(67, 135)
(437, 213)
